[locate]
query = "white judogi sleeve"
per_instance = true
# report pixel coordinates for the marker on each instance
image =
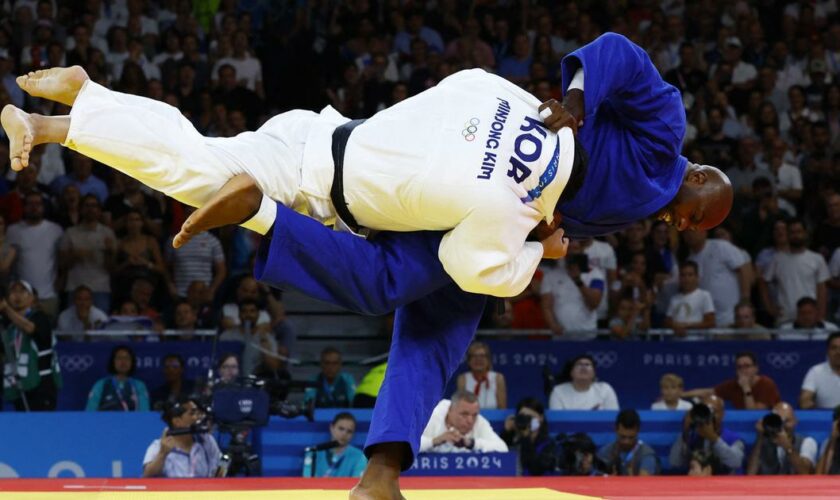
(486, 440)
(481, 262)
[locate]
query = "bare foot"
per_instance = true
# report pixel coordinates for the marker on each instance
(360, 492)
(19, 129)
(56, 84)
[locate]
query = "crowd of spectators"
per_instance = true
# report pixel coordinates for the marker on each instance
(89, 248)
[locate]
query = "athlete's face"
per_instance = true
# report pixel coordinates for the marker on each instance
(703, 201)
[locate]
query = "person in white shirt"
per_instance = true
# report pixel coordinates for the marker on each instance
(570, 294)
(185, 454)
(692, 308)
(444, 181)
(489, 387)
(821, 387)
(797, 273)
(671, 386)
(456, 426)
(582, 391)
(82, 315)
(602, 257)
(807, 318)
(724, 272)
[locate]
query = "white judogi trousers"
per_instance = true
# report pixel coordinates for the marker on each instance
(154, 143)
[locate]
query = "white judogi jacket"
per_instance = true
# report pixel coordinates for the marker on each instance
(463, 157)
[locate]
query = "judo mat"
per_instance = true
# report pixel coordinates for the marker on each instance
(428, 488)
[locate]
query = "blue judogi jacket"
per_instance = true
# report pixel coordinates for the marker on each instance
(633, 130)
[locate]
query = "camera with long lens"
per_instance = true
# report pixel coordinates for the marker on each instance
(522, 422)
(700, 415)
(572, 452)
(772, 425)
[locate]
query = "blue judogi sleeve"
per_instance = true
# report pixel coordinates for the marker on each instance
(365, 276)
(633, 130)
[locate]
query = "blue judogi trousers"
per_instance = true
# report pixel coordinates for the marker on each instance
(435, 320)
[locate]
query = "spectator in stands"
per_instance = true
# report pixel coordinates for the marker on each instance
(37, 241)
(723, 270)
(175, 387)
(457, 426)
(119, 391)
(778, 448)
(8, 255)
(517, 66)
(630, 320)
(601, 256)
(199, 296)
(185, 320)
(82, 176)
(184, 455)
(670, 390)
(201, 259)
(703, 464)
(748, 390)
(579, 389)
(571, 293)
(830, 449)
(628, 455)
(827, 234)
(807, 318)
(133, 199)
(228, 368)
(12, 203)
(797, 273)
(30, 361)
(489, 387)
(526, 307)
(83, 315)
(345, 460)
(527, 432)
(821, 387)
(273, 369)
(86, 254)
(142, 292)
(692, 308)
(702, 431)
(745, 320)
(248, 333)
(248, 288)
(138, 254)
(336, 388)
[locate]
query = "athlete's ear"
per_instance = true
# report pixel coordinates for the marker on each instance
(697, 176)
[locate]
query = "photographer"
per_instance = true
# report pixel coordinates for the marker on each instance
(185, 454)
(703, 430)
(527, 431)
(31, 373)
(830, 449)
(628, 455)
(778, 448)
(578, 457)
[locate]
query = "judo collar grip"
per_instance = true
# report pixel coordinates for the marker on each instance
(339, 144)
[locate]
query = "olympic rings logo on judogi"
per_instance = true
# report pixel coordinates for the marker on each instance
(470, 128)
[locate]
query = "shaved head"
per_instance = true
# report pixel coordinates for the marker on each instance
(703, 201)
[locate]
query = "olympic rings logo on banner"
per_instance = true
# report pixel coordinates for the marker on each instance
(604, 359)
(782, 360)
(470, 128)
(76, 362)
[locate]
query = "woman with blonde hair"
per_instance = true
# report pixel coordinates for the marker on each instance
(488, 386)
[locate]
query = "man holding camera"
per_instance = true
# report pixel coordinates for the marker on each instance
(703, 430)
(181, 451)
(778, 448)
(456, 426)
(527, 431)
(628, 455)
(571, 293)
